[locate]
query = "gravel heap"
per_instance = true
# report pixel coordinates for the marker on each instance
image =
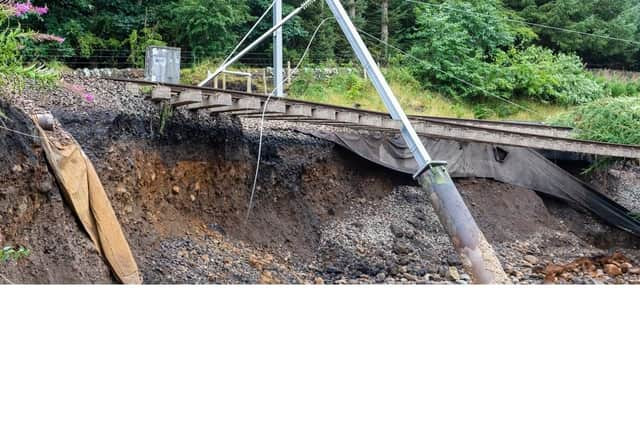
(322, 215)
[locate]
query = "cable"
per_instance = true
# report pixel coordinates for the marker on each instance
(264, 110)
(249, 33)
(407, 54)
(550, 27)
(18, 132)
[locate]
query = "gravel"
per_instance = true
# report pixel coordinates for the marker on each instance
(322, 214)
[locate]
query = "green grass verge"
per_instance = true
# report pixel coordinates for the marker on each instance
(615, 120)
(351, 89)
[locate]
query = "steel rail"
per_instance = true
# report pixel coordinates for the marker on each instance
(537, 136)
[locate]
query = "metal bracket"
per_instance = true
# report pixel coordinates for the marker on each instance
(431, 164)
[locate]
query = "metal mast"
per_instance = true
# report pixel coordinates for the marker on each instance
(476, 253)
(278, 67)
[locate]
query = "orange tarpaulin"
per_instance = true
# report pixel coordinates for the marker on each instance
(82, 188)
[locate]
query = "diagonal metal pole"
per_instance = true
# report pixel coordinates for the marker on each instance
(476, 253)
(256, 42)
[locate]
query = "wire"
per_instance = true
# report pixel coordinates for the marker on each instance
(264, 110)
(18, 132)
(249, 33)
(550, 27)
(453, 76)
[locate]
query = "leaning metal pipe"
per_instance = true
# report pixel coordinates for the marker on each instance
(477, 255)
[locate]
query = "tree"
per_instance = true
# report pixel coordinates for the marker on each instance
(351, 7)
(606, 19)
(206, 27)
(384, 30)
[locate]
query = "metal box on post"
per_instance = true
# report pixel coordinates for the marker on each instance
(162, 64)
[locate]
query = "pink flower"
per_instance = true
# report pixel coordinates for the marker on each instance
(22, 8)
(89, 97)
(46, 38)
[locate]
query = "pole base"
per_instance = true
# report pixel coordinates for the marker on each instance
(477, 255)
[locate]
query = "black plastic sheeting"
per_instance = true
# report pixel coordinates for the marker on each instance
(512, 165)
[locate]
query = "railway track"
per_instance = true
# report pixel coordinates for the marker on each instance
(515, 134)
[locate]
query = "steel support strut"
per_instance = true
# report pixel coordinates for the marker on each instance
(278, 63)
(476, 253)
(256, 42)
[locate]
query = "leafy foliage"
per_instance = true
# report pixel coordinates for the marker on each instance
(207, 27)
(538, 73)
(13, 253)
(13, 68)
(609, 20)
(138, 44)
(475, 50)
(472, 50)
(615, 120)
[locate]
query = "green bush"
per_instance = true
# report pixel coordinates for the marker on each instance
(475, 51)
(138, 43)
(314, 85)
(538, 73)
(615, 120)
(616, 87)
(13, 68)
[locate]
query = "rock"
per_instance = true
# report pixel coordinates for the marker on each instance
(333, 270)
(267, 278)
(415, 222)
(626, 267)
(634, 270)
(612, 270)
(531, 259)
(453, 260)
(318, 281)
(465, 277)
(410, 277)
(401, 248)
(192, 197)
(380, 277)
(452, 274)
(396, 230)
(404, 260)
(17, 168)
(44, 186)
(175, 189)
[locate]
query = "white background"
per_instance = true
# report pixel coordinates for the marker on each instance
(319, 356)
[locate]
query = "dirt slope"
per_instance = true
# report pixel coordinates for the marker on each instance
(321, 213)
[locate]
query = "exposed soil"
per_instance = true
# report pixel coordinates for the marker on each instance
(180, 186)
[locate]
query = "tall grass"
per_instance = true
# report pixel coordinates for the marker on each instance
(348, 87)
(615, 120)
(353, 89)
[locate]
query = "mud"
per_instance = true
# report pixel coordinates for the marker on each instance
(180, 186)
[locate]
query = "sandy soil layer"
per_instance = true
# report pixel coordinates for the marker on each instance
(180, 185)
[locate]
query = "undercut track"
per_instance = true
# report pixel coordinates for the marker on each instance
(514, 134)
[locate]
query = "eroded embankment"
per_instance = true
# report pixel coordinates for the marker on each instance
(321, 213)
